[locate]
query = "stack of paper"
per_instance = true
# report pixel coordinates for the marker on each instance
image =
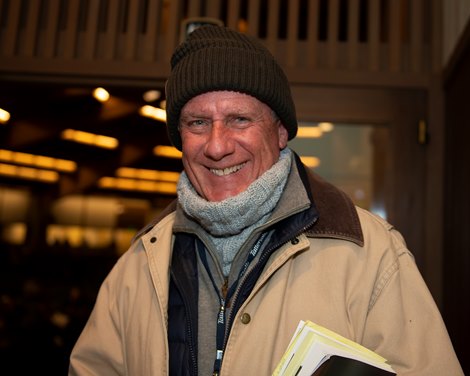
(315, 350)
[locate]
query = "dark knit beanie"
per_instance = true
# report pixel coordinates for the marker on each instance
(215, 58)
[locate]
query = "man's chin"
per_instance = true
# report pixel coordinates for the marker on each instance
(220, 194)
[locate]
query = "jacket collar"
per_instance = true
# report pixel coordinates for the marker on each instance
(335, 213)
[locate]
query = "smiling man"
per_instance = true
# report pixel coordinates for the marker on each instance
(229, 140)
(254, 243)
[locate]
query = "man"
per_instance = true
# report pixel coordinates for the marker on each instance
(254, 243)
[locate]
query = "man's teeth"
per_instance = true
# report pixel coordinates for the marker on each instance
(226, 171)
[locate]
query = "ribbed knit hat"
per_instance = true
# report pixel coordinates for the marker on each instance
(215, 58)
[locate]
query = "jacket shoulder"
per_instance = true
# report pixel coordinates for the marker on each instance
(165, 212)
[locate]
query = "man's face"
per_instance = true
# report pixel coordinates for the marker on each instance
(229, 140)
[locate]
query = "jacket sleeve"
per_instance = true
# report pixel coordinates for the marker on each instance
(404, 324)
(99, 349)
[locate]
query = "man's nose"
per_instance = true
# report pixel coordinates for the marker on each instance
(219, 142)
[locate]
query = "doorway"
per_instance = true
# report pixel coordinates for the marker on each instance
(350, 156)
(384, 123)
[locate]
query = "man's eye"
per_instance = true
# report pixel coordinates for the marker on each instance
(238, 121)
(196, 123)
(196, 126)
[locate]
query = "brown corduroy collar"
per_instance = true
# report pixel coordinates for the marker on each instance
(338, 216)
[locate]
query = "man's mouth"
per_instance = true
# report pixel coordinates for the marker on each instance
(227, 171)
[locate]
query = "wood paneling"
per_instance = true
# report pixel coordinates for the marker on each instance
(135, 35)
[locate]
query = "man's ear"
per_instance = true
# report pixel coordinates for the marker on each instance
(283, 136)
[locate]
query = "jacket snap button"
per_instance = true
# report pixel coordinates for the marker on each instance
(153, 239)
(295, 241)
(246, 318)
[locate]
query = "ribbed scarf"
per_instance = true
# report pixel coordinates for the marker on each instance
(229, 222)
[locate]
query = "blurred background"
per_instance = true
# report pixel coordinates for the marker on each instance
(381, 91)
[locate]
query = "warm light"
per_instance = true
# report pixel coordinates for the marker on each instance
(137, 185)
(6, 169)
(45, 162)
(4, 116)
(167, 152)
(152, 112)
(106, 182)
(145, 185)
(47, 175)
(6, 155)
(100, 94)
(83, 137)
(15, 233)
(169, 176)
(309, 132)
(310, 162)
(126, 184)
(165, 187)
(90, 139)
(28, 173)
(37, 161)
(151, 95)
(326, 126)
(133, 173)
(74, 235)
(66, 166)
(73, 135)
(106, 142)
(24, 158)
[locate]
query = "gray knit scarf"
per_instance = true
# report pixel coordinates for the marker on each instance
(230, 222)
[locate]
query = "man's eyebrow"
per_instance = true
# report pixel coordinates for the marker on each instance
(242, 111)
(230, 113)
(188, 115)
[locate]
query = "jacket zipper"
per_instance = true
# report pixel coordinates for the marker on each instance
(266, 254)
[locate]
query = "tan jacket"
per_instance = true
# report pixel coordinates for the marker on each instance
(372, 294)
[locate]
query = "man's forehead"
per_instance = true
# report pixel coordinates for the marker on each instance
(224, 100)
